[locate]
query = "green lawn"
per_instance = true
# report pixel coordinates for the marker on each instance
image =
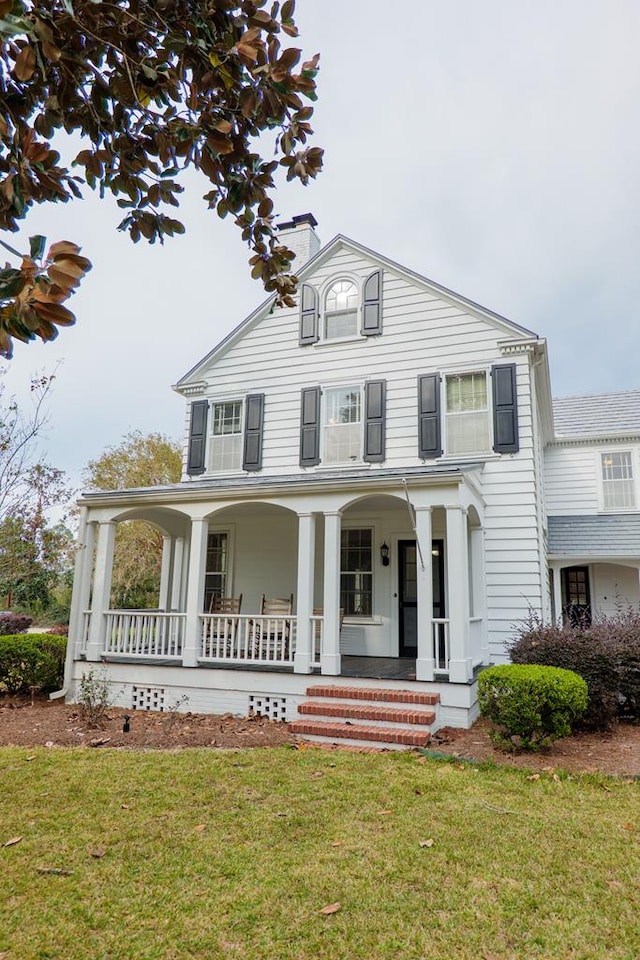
(205, 854)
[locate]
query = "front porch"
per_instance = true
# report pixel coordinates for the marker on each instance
(387, 583)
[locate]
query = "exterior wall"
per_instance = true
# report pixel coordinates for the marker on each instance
(614, 588)
(571, 481)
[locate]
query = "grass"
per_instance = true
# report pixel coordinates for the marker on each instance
(208, 854)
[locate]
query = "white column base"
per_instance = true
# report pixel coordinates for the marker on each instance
(330, 664)
(424, 669)
(460, 671)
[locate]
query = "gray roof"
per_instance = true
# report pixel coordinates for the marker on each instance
(605, 413)
(595, 536)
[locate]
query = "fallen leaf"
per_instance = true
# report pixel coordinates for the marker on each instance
(627, 826)
(427, 843)
(49, 743)
(384, 813)
(331, 908)
(98, 852)
(534, 776)
(200, 828)
(12, 842)
(32, 757)
(97, 742)
(125, 806)
(337, 843)
(58, 871)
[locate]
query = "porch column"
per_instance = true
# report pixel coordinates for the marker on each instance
(478, 588)
(424, 661)
(460, 666)
(165, 573)
(176, 579)
(101, 589)
(556, 599)
(195, 592)
(330, 653)
(305, 635)
(81, 587)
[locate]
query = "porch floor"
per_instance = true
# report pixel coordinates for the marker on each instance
(379, 668)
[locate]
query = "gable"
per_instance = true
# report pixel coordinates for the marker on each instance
(426, 311)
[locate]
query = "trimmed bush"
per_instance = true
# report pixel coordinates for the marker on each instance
(33, 661)
(606, 654)
(11, 623)
(531, 706)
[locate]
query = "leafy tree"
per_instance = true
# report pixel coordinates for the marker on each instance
(137, 461)
(152, 88)
(34, 553)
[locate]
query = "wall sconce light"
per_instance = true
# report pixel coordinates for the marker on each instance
(384, 555)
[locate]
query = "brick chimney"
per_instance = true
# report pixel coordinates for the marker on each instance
(298, 234)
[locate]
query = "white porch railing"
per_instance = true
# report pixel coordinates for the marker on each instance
(441, 645)
(135, 633)
(86, 626)
(247, 639)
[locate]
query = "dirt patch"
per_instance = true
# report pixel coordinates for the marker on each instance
(53, 723)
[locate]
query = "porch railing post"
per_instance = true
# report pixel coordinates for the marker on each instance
(304, 609)
(460, 666)
(165, 573)
(424, 661)
(330, 653)
(195, 592)
(101, 589)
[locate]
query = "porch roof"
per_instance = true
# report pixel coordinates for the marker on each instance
(322, 480)
(595, 536)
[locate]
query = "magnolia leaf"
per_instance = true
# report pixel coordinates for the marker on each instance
(12, 842)
(427, 843)
(98, 852)
(36, 246)
(25, 64)
(62, 247)
(331, 908)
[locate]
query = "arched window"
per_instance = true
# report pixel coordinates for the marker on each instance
(341, 310)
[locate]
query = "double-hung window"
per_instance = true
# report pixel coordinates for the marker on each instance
(342, 424)
(467, 414)
(341, 310)
(618, 489)
(217, 568)
(356, 572)
(225, 446)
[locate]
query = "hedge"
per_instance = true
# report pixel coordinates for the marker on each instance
(605, 654)
(33, 661)
(531, 706)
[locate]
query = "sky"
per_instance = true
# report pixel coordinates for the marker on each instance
(492, 146)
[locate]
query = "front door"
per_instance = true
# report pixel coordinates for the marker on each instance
(576, 596)
(408, 592)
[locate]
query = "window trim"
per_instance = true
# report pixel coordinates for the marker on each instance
(213, 402)
(489, 452)
(230, 531)
(599, 454)
(359, 618)
(323, 292)
(324, 389)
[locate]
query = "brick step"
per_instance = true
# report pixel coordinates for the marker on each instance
(373, 693)
(365, 711)
(360, 732)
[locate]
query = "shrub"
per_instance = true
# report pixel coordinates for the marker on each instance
(530, 705)
(33, 661)
(12, 623)
(94, 697)
(606, 654)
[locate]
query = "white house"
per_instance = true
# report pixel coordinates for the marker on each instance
(382, 459)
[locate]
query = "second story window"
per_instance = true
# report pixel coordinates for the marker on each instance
(341, 310)
(225, 449)
(467, 414)
(618, 490)
(342, 425)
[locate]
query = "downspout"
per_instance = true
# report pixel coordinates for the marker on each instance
(412, 516)
(75, 613)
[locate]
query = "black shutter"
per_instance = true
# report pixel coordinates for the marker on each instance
(505, 409)
(374, 420)
(253, 421)
(310, 427)
(197, 437)
(429, 432)
(372, 305)
(308, 315)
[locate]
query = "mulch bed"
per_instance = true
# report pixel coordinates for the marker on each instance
(41, 722)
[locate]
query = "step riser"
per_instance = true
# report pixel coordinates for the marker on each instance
(388, 715)
(374, 695)
(368, 732)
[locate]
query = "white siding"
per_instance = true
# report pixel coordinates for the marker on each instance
(571, 482)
